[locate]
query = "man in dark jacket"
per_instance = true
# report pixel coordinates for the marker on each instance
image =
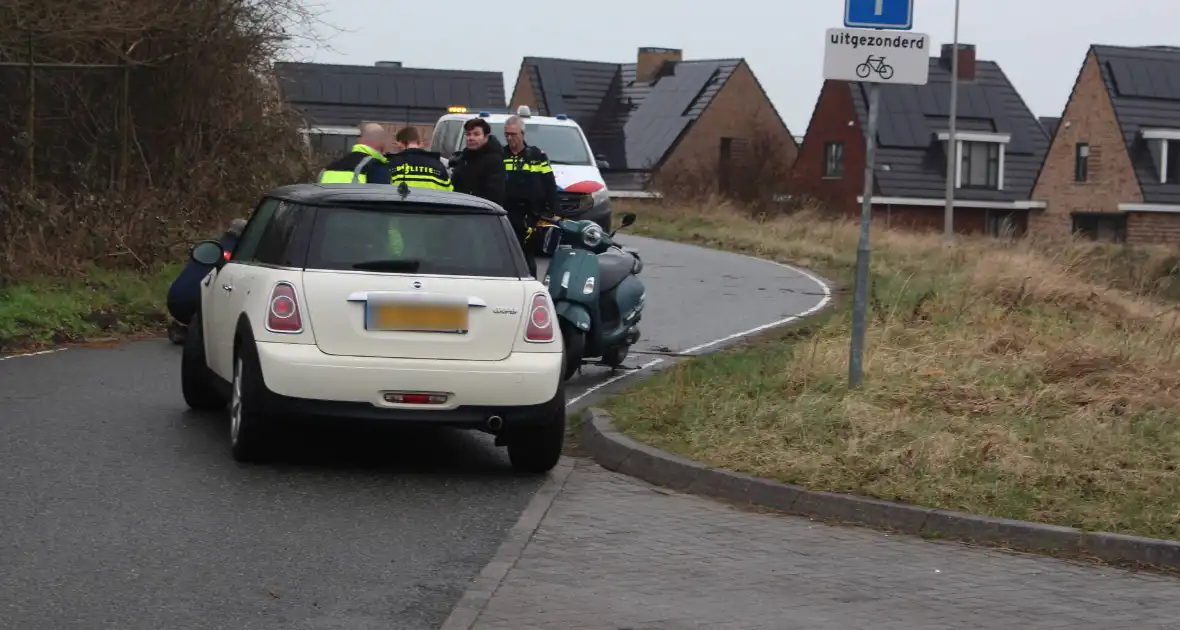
(416, 166)
(479, 169)
(184, 296)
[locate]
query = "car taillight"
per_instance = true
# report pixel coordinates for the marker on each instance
(284, 315)
(540, 325)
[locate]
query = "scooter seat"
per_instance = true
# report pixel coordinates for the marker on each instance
(613, 268)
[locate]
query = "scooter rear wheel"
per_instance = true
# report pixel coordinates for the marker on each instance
(575, 348)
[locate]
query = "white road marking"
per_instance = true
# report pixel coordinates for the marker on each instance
(827, 298)
(32, 354)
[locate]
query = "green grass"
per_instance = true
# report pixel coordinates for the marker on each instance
(99, 303)
(1023, 380)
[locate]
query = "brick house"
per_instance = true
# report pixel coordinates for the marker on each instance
(659, 113)
(1000, 144)
(335, 99)
(1113, 168)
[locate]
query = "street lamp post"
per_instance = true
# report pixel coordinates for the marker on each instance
(952, 145)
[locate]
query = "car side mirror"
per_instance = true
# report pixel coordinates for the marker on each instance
(208, 254)
(600, 161)
(628, 219)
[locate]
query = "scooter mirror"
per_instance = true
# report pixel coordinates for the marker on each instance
(628, 219)
(552, 239)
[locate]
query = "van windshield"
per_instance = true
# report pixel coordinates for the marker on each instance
(563, 144)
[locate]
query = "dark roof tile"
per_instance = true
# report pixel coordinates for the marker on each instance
(1144, 87)
(634, 124)
(911, 161)
(330, 94)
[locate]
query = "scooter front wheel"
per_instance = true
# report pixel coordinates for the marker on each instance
(575, 348)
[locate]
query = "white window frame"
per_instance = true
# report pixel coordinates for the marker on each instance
(828, 146)
(1162, 136)
(327, 130)
(1001, 139)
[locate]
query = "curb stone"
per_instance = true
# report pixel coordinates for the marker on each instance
(615, 451)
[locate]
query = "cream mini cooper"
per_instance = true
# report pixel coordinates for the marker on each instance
(374, 302)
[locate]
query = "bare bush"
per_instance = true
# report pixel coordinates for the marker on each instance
(756, 173)
(132, 125)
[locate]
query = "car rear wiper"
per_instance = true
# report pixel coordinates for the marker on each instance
(407, 266)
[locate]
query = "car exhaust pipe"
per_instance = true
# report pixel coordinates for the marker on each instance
(495, 423)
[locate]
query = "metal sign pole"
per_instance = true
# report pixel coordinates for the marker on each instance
(952, 143)
(860, 298)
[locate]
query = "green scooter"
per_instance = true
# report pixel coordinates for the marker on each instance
(595, 289)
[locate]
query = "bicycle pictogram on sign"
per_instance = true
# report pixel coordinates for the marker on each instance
(874, 64)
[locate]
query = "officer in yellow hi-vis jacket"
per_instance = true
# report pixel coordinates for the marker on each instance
(531, 189)
(416, 166)
(364, 164)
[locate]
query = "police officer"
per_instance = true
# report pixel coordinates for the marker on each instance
(416, 166)
(364, 164)
(531, 189)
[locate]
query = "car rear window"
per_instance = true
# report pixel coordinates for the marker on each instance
(428, 243)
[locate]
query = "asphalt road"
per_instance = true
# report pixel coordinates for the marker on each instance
(119, 508)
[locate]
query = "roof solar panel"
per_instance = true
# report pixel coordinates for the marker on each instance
(1145, 78)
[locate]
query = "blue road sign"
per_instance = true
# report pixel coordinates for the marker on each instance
(895, 15)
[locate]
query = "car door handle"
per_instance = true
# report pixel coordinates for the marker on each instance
(227, 287)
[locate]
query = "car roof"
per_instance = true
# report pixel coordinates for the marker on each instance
(368, 194)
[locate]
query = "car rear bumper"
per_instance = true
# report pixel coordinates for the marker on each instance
(303, 380)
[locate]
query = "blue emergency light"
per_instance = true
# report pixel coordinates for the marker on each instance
(484, 114)
(561, 117)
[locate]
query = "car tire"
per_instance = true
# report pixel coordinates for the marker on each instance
(536, 448)
(196, 379)
(575, 349)
(250, 422)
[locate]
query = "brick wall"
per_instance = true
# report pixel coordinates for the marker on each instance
(1144, 228)
(834, 120)
(740, 110)
(522, 94)
(1088, 117)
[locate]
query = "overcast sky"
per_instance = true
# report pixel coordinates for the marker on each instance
(1040, 44)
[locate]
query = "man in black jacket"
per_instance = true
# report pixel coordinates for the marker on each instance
(479, 169)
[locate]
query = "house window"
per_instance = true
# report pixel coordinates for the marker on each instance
(331, 144)
(981, 165)
(834, 159)
(1172, 164)
(1001, 224)
(1081, 162)
(1101, 226)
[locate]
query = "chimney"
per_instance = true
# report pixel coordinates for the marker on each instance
(388, 64)
(966, 59)
(651, 60)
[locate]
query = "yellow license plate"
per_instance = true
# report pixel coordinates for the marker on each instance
(418, 318)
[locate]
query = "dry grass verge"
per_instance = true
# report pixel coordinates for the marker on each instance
(1029, 380)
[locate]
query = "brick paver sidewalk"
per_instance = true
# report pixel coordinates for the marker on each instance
(612, 553)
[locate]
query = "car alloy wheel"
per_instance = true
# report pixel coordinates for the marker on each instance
(235, 405)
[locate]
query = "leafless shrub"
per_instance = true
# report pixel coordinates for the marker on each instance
(136, 125)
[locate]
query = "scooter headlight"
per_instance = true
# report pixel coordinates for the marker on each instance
(592, 235)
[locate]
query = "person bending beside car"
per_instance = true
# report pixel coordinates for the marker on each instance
(479, 168)
(530, 187)
(184, 296)
(365, 163)
(416, 166)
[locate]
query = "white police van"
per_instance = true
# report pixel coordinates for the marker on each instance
(581, 189)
